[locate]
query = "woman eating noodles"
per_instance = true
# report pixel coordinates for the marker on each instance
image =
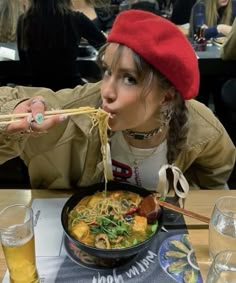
(156, 127)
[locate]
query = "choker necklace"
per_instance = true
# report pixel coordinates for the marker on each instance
(143, 135)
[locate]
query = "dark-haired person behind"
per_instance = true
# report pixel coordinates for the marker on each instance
(182, 11)
(98, 11)
(146, 5)
(105, 18)
(48, 35)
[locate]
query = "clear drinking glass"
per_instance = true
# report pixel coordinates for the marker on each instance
(223, 268)
(17, 239)
(222, 227)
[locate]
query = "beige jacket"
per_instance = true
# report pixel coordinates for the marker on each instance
(228, 49)
(69, 156)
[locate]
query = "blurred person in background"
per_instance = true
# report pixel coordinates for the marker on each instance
(48, 36)
(25, 4)
(228, 91)
(146, 5)
(215, 18)
(181, 14)
(228, 49)
(166, 7)
(98, 11)
(182, 11)
(211, 16)
(10, 10)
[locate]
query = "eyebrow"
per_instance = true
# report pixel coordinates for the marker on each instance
(122, 69)
(127, 70)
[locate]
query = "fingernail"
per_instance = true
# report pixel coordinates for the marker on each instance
(39, 118)
(63, 117)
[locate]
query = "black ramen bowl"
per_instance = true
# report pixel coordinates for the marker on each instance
(111, 257)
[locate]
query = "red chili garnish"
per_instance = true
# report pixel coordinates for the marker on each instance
(132, 210)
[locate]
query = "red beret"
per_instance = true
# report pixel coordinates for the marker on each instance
(162, 45)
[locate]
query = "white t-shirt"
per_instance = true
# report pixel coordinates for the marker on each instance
(136, 166)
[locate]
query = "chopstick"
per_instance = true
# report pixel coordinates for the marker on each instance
(184, 211)
(12, 118)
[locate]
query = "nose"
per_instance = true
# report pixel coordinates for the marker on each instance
(108, 90)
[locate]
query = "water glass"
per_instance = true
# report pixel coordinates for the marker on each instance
(222, 227)
(17, 239)
(223, 268)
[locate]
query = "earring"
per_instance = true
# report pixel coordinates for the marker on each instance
(166, 116)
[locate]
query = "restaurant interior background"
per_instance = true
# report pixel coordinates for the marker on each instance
(14, 173)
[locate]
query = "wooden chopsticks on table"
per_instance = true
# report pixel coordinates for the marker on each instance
(184, 211)
(12, 118)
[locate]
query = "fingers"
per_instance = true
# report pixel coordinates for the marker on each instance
(38, 106)
(35, 122)
(35, 107)
(36, 127)
(21, 126)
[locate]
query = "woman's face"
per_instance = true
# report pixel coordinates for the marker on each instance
(123, 97)
(223, 3)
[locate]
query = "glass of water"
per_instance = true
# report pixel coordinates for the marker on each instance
(222, 227)
(223, 268)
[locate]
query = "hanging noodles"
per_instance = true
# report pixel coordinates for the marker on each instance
(100, 118)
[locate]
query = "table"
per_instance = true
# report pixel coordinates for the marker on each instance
(211, 64)
(198, 201)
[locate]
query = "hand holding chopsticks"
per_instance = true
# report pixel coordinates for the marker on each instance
(30, 116)
(13, 118)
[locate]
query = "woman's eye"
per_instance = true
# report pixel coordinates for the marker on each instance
(130, 80)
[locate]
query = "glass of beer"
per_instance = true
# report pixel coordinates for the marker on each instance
(223, 268)
(17, 239)
(222, 227)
